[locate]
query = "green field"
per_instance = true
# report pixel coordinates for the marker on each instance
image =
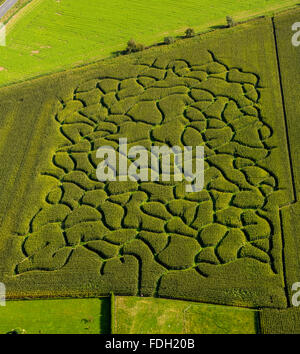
(132, 315)
(156, 316)
(285, 321)
(68, 316)
(50, 35)
(64, 233)
(221, 245)
(128, 315)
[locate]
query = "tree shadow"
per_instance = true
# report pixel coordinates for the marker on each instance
(105, 315)
(257, 323)
(218, 27)
(118, 53)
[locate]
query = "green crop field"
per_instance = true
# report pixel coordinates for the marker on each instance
(63, 233)
(220, 245)
(289, 57)
(50, 35)
(273, 321)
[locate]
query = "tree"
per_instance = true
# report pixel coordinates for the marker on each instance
(189, 33)
(230, 21)
(17, 331)
(133, 47)
(139, 47)
(169, 40)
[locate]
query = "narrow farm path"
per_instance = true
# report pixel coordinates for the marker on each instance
(4, 8)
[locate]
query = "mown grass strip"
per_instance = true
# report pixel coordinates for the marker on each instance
(67, 316)
(161, 316)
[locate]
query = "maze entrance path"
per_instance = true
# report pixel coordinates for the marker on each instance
(221, 245)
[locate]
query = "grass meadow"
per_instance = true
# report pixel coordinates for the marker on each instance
(48, 35)
(154, 316)
(68, 316)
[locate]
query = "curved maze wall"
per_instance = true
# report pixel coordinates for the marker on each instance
(156, 229)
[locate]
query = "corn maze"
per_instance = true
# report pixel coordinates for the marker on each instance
(215, 106)
(226, 244)
(156, 227)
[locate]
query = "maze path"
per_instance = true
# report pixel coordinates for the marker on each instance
(165, 229)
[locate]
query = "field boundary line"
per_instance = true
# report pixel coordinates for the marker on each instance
(284, 268)
(290, 164)
(112, 313)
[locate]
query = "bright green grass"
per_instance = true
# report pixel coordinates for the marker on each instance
(52, 35)
(150, 316)
(68, 316)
